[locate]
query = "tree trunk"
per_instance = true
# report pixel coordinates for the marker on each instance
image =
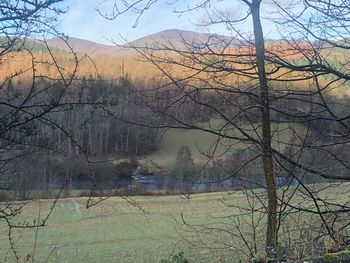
(271, 234)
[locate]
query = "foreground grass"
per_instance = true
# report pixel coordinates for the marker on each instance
(205, 227)
(117, 231)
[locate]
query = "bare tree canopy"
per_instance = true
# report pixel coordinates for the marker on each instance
(272, 96)
(290, 80)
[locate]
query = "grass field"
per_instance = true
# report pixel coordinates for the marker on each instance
(203, 142)
(118, 231)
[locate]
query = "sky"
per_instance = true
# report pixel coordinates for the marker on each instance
(83, 21)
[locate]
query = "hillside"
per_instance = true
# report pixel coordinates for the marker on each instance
(113, 61)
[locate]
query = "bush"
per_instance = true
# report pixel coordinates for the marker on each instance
(177, 258)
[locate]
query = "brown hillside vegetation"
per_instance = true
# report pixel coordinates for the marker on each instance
(197, 64)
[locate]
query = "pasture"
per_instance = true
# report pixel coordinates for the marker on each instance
(116, 230)
(145, 228)
(204, 143)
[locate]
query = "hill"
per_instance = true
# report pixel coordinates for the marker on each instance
(81, 45)
(174, 36)
(179, 37)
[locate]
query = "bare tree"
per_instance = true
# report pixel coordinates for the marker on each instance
(33, 92)
(295, 77)
(204, 56)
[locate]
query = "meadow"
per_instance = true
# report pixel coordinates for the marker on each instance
(117, 230)
(148, 228)
(204, 143)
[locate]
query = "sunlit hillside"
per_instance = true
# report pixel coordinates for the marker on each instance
(157, 57)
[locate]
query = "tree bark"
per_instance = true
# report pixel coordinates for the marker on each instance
(271, 234)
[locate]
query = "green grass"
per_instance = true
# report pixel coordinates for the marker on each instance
(116, 231)
(202, 143)
(345, 254)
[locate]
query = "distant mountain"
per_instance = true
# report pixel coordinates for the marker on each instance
(179, 37)
(176, 37)
(79, 45)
